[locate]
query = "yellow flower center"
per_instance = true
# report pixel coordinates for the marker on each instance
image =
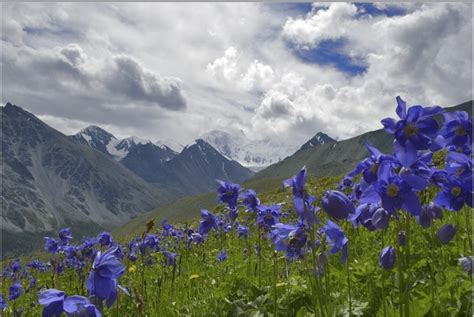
(460, 130)
(455, 191)
(411, 130)
(392, 190)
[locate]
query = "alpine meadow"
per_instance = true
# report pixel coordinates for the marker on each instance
(294, 159)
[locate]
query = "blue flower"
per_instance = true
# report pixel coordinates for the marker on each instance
(222, 256)
(457, 128)
(369, 166)
(466, 263)
(207, 223)
(336, 239)
(250, 199)
(102, 281)
(388, 256)
(302, 201)
(170, 258)
(290, 239)
(458, 165)
(3, 303)
(428, 212)
(243, 231)
(52, 300)
(65, 235)
(105, 238)
(51, 245)
(15, 291)
(267, 216)
(446, 233)
(228, 193)
(416, 126)
(380, 218)
(80, 306)
(297, 183)
(336, 204)
(392, 191)
(455, 193)
(363, 215)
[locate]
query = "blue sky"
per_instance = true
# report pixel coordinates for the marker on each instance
(278, 72)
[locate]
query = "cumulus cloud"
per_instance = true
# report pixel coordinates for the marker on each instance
(70, 69)
(127, 77)
(238, 70)
(424, 56)
(322, 24)
(126, 69)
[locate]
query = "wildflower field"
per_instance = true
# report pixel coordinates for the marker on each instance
(391, 238)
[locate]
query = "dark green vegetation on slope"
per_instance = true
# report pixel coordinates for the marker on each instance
(340, 157)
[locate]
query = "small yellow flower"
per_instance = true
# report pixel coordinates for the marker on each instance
(132, 269)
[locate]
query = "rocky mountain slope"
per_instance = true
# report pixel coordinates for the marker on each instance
(49, 180)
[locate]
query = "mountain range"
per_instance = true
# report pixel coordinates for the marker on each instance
(322, 156)
(256, 154)
(92, 181)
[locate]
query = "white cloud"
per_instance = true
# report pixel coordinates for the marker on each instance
(229, 62)
(323, 24)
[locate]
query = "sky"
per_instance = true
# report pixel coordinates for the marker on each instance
(279, 72)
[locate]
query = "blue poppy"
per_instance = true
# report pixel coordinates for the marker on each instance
(302, 201)
(388, 256)
(363, 216)
(102, 281)
(337, 204)
(392, 191)
(207, 223)
(250, 199)
(105, 238)
(369, 166)
(336, 239)
(243, 231)
(228, 193)
(80, 306)
(52, 300)
(457, 128)
(170, 258)
(455, 193)
(267, 216)
(3, 303)
(65, 235)
(380, 218)
(15, 291)
(51, 245)
(222, 256)
(466, 263)
(290, 239)
(416, 126)
(446, 233)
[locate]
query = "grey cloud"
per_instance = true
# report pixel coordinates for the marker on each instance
(67, 70)
(74, 54)
(126, 76)
(276, 106)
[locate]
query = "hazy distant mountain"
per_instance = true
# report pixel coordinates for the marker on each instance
(49, 180)
(198, 166)
(193, 170)
(254, 154)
